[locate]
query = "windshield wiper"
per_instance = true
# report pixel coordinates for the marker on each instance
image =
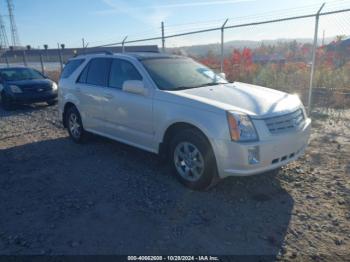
(202, 85)
(183, 88)
(209, 84)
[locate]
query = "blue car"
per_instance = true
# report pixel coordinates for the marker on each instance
(22, 85)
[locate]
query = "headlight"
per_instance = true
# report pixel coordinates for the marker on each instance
(301, 105)
(15, 89)
(54, 86)
(241, 127)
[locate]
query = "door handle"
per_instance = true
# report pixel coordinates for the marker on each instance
(108, 96)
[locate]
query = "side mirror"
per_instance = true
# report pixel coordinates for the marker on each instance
(134, 87)
(222, 75)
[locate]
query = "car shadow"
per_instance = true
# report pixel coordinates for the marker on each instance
(104, 197)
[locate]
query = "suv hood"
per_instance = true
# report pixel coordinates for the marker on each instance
(256, 101)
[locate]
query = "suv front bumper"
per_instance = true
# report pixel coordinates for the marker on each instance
(233, 158)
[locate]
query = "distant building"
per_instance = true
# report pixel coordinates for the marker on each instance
(52, 55)
(339, 51)
(342, 46)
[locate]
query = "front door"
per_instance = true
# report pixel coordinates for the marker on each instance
(129, 116)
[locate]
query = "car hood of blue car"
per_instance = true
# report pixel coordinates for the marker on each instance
(31, 82)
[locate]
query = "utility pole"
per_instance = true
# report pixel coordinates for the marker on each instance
(14, 32)
(323, 37)
(314, 48)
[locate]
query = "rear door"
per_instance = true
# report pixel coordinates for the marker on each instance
(90, 89)
(129, 117)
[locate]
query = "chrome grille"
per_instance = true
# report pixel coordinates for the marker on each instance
(286, 123)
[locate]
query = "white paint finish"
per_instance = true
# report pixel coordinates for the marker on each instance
(92, 105)
(253, 100)
(130, 117)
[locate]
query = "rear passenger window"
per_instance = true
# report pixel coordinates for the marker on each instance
(122, 71)
(98, 72)
(70, 67)
(83, 75)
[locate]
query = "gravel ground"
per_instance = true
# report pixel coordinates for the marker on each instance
(103, 197)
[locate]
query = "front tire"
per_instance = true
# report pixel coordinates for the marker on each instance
(192, 160)
(75, 126)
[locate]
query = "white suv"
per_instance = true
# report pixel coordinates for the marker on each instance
(183, 111)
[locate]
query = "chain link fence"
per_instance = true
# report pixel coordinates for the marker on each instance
(307, 54)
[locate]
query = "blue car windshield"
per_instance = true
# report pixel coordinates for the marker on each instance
(18, 74)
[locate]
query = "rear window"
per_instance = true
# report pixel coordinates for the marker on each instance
(70, 67)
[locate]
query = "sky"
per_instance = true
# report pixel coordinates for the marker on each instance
(107, 21)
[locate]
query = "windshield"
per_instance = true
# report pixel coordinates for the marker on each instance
(180, 73)
(17, 74)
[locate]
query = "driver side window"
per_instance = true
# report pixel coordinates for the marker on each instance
(122, 71)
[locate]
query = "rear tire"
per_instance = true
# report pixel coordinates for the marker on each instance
(192, 160)
(75, 126)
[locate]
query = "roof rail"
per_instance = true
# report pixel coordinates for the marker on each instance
(95, 53)
(146, 51)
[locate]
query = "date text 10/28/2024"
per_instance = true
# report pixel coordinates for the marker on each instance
(173, 258)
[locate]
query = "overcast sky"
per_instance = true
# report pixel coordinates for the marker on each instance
(104, 21)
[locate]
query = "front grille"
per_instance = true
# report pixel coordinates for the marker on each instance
(286, 123)
(35, 89)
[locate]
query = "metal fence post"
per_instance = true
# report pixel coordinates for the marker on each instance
(123, 44)
(222, 47)
(24, 58)
(7, 60)
(60, 57)
(163, 38)
(314, 49)
(42, 64)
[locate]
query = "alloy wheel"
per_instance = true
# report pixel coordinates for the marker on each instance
(74, 125)
(188, 161)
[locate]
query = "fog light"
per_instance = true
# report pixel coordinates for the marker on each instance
(253, 155)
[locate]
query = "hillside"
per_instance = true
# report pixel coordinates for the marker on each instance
(202, 50)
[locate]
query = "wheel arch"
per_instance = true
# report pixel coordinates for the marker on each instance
(171, 130)
(67, 106)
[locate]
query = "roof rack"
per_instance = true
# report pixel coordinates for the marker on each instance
(95, 53)
(147, 51)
